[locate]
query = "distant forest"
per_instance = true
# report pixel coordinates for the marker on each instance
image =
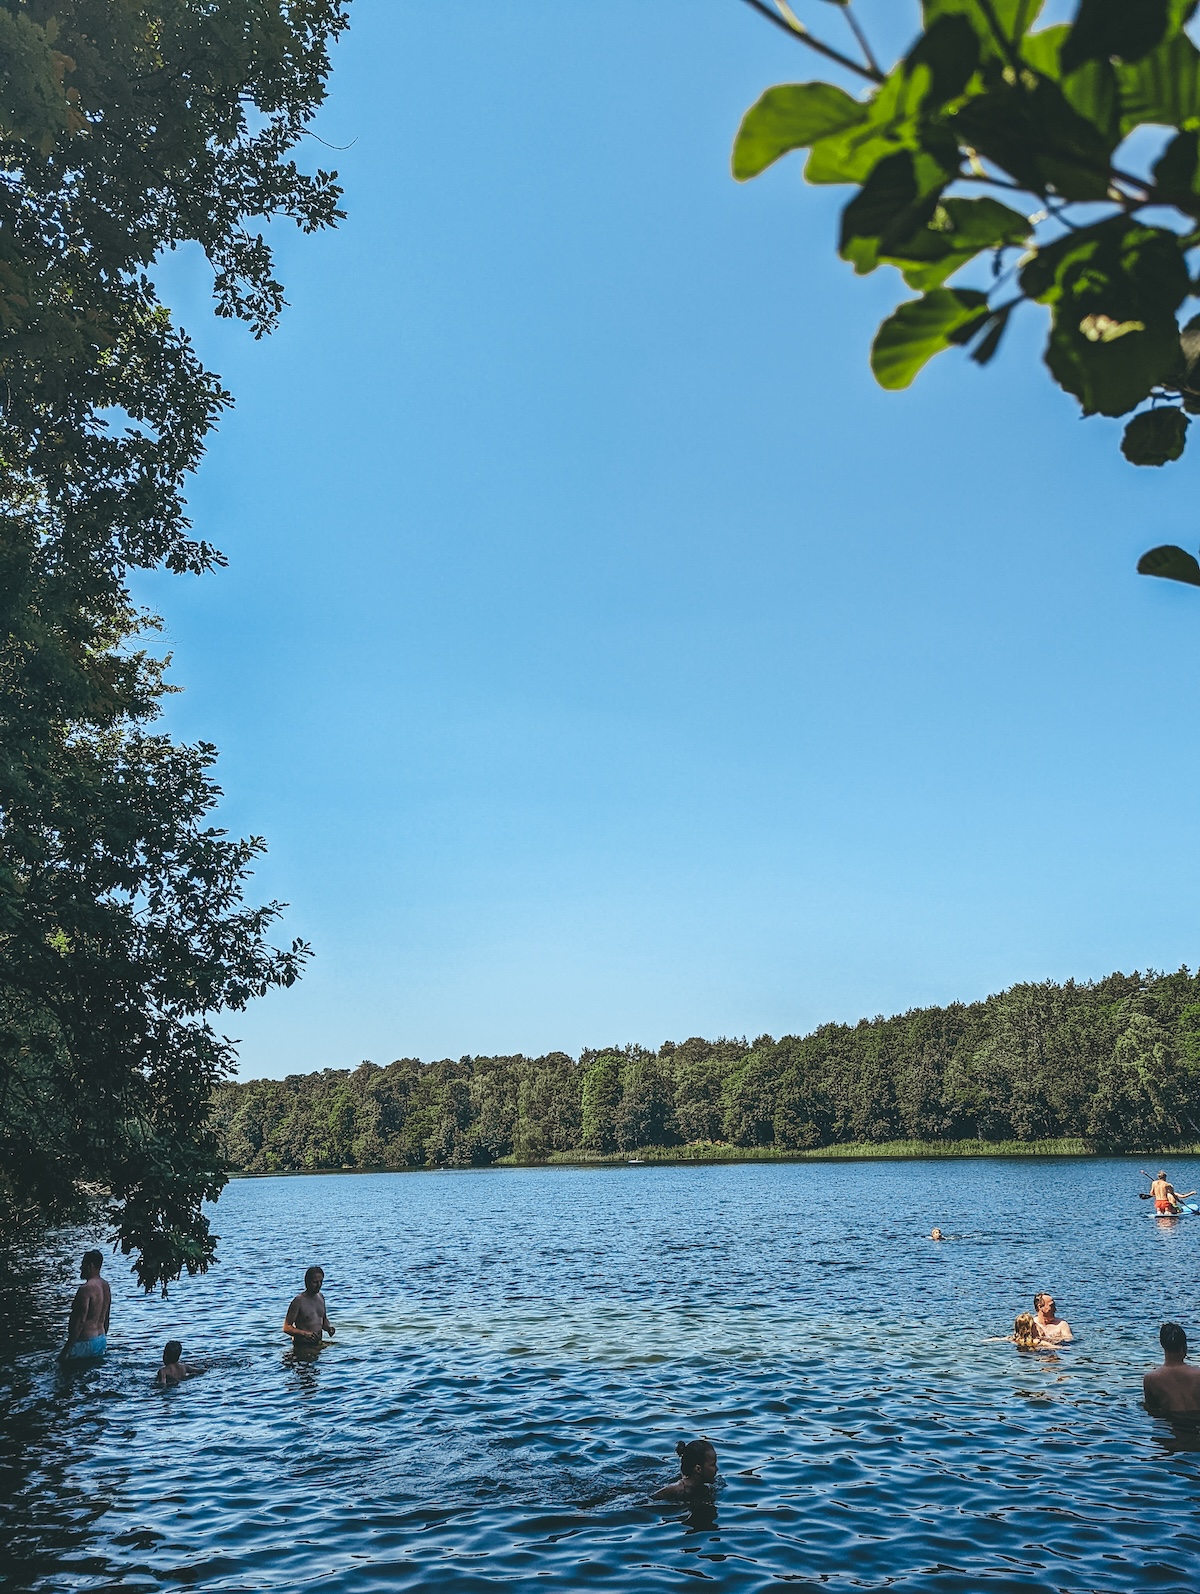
(1115, 1063)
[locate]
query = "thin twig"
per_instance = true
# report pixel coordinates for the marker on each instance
(803, 36)
(864, 43)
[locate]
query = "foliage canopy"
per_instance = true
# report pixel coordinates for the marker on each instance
(127, 128)
(993, 143)
(1115, 1063)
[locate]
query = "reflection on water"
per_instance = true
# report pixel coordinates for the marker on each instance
(518, 1353)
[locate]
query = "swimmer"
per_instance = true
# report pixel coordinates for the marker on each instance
(1052, 1330)
(937, 1235)
(306, 1318)
(1025, 1332)
(173, 1371)
(87, 1331)
(1173, 1390)
(697, 1471)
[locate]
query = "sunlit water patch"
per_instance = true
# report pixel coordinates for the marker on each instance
(518, 1351)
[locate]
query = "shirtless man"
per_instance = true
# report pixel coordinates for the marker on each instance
(1173, 1390)
(306, 1318)
(1166, 1197)
(1052, 1330)
(173, 1371)
(87, 1331)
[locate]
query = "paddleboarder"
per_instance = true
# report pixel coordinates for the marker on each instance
(1166, 1199)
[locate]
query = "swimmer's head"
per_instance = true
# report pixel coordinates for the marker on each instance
(697, 1460)
(172, 1351)
(1044, 1298)
(1025, 1330)
(1172, 1339)
(93, 1261)
(313, 1279)
(936, 1235)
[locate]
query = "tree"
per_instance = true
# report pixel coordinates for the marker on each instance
(990, 170)
(127, 127)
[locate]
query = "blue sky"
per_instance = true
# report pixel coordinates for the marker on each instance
(603, 655)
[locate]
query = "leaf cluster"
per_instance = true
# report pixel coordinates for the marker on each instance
(999, 145)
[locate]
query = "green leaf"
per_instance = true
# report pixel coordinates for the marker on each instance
(1034, 134)
(791, 116)
(1114, 289)
(1174, 564)
(1128, 29)
(958, 231)
(949, 49)
(1164, 88)
(890, 124)
(1015, 18)
(920, 328)
(1091, 89)
(1155, 437)
(896, 201)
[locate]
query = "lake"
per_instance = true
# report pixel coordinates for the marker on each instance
(518, 1350)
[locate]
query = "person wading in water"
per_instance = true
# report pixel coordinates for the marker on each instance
(87, 1331)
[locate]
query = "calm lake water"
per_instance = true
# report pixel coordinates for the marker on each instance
(518, 1351)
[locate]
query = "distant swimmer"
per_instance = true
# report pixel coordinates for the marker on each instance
(1025, 1332)
(697, 1472)
(1166, 1198)
(1173, 1390)
(87, 1330)
(937, 1235)
(174, 1371)
(1052, 1330)
(306, 1318)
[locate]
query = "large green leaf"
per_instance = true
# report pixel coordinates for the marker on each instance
(1128, 29)
(959, 230)
(920, 328)
(897, 200)
(890, 124)
(1034, 134)
(1155, 437)
(1015, 18)
(791, 116)
(1174, 564)
(1091, 89)
(1164, 88)
(949, 50)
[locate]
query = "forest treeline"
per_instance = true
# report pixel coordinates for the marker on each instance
(1115, 1063)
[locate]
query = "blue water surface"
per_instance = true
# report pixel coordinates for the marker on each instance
(518, 1351)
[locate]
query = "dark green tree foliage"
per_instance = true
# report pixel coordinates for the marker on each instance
(127, 127)
(993, 144)
(1115, 1063)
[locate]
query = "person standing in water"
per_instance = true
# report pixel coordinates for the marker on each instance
(1052, 1330)
(1173, 1390)
(306, 1319)
(87, 1330)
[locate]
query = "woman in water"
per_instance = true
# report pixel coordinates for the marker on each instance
(697, 1472)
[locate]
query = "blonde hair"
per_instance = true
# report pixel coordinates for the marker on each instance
(1025, 1331)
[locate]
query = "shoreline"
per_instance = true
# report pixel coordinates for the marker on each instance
(714, 1152)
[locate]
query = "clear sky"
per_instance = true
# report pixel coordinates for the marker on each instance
(603, 655)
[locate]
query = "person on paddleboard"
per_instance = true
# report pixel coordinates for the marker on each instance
(1166, 1197)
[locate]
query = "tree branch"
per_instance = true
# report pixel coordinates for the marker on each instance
(799, 32)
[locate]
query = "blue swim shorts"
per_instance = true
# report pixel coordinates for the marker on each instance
(86, 1349)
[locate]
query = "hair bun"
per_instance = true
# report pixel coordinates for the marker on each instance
(680, 1448)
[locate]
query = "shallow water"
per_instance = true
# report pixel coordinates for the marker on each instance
(518, 1351)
